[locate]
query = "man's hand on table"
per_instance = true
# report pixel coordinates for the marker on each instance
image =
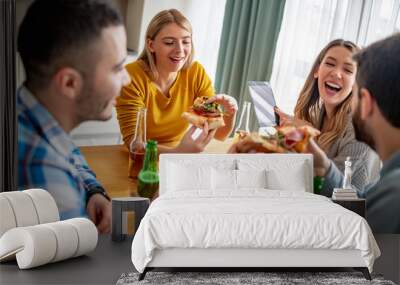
(99, 212)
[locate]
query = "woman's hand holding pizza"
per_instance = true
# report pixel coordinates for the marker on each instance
(202, 111)
(286, 119)
(227, 102)
(189, 144)
(210, 114)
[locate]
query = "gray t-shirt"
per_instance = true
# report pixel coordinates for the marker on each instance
(383, 198)
(365, 162)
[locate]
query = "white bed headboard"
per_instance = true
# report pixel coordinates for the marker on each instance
(284, 169)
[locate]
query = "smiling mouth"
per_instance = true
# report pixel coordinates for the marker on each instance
(177, 59)
(332, 87)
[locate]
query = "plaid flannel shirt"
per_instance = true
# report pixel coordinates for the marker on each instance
(48, 158)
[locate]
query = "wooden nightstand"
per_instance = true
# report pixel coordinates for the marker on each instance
(355, 205)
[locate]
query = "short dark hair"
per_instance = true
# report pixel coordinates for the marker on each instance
(54, 32)
(379, 72)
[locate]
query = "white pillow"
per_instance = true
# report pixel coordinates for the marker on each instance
(251, 178)
(291, 180)
(229, 179)
(223, 179)
(183, 177)
(283, 172)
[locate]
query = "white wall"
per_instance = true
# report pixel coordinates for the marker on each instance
(149, 9)
(98, 133)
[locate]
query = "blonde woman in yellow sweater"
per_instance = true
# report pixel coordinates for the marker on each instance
(166, 81)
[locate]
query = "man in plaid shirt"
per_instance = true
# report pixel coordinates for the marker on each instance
(73, 52)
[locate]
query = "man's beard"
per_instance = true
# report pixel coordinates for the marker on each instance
(360, 129)
(90, 106)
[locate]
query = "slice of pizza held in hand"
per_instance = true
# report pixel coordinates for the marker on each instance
(287, 139)
(202, 112)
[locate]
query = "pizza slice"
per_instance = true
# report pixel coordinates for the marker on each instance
(296, 138)
(286, 139)
(253, 142)
(202, 112)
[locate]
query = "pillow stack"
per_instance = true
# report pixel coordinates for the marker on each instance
(31, 232)
(268, 172)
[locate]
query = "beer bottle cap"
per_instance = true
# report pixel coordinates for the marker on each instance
(152, 143)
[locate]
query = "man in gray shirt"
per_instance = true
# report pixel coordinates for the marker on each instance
(376, 120)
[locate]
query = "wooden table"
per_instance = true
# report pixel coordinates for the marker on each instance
(110, 163)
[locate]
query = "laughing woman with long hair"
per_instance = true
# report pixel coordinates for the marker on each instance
(325, 103)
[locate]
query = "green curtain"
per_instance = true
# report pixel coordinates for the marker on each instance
(248, 40)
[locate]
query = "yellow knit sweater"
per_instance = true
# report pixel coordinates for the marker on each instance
(164, 122)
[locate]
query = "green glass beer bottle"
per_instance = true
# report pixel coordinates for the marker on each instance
(148, 178)
(318, 184)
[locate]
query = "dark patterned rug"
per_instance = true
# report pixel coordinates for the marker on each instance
(230, 278)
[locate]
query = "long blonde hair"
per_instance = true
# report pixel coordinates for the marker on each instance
(310, 108)
(158, 22)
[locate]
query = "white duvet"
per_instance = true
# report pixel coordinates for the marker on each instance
(250, 219)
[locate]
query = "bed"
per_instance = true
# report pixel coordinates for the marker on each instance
(247, 210)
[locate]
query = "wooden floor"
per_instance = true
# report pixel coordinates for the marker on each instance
(110, 163)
